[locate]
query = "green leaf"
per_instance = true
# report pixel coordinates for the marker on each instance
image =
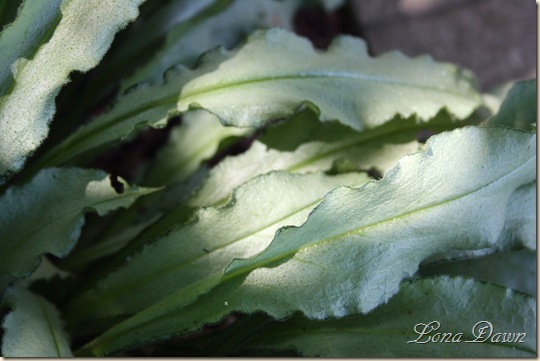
(46, 215)
(168, 24)
(79, 37)
(358, 244)
(181, 156)
(456, 304)
(33, 328)
(425, 196)
(191, 38)
(378, 148)
(515, 269)
(520, 226)
(23, 37)
(193, 257)
(518, 109)
(272, 76)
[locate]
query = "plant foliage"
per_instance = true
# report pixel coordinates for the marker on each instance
(300, 201)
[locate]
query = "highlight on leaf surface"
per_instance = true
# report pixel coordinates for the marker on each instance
(193, 256)
(358, 244)
(86, 28)
(315, 187)
(271, 76)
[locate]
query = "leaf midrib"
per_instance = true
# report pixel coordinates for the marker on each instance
(176, 99)
(50, 326)
(288, 254)
(122, 291)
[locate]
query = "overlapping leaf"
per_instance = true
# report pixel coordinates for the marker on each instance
(374, 150)
(193, 257)
(33, 328)
(196, 140)
(514, 269)
(455, 305)
(378, 149)
(46, 215)
(356, 247)
(272, 75)
(81, 33)
(518, 109)
(190, 39)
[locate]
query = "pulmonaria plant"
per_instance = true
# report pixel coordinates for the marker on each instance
(294, 208)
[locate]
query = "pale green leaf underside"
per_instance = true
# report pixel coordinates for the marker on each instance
(78, 42)
(456, 303)
(196, 254)
(272, 75)
(358, 244)
(33, 328)
(46, 215)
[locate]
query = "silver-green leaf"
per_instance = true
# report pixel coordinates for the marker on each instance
(46, 215)
(450, 305)
(518, 109)
(360, 243)
(33, 328)
(272, 75)
(82, 31)
(193, 257)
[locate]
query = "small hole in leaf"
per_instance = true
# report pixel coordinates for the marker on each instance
(116, 184)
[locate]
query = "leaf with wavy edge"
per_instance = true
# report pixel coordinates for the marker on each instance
(189, 40)
(272, 76)
(358, 244)
(78, 42)
(378, 148)
(193, 257)
(33, 328)
(457, 304)
(168, 23)
(46, 215)
(8, 12)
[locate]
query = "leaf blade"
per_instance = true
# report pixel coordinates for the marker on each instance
(247, 93)
(34, 327)
(193, 257)
(87, 29)
(67, 194)
(323, 280)
(455, 303)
